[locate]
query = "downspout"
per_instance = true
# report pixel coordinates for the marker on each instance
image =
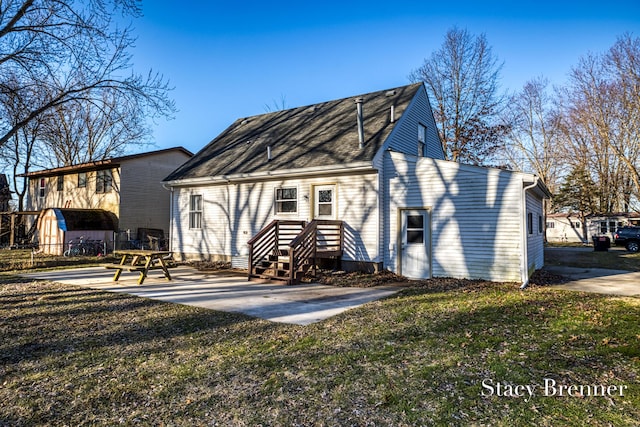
(525, 253)
(170, 216)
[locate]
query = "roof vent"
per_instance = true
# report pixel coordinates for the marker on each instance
(391, 92)
(359, 102)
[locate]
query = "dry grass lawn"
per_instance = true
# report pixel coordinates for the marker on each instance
(431, 355)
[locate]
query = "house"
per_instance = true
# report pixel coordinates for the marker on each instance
(572, 228)
(130, 187)
(362, 180)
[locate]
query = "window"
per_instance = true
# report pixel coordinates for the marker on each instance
(603, 227)
(540, 224)
(325, 202)
(43, 185)
(60, 183)
(530, 222)
(577, 224)
(104, 181)
(286, 200)
(422, 140)
(195, 211)
(415, 229)
(82, 180)
(551, 224)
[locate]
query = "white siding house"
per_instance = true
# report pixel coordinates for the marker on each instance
(474, 217)
(572, 228)
(390, 189)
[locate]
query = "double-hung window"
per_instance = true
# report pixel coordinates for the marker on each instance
(195, 211)
(286, 200)
(104, 181)
(60, 183)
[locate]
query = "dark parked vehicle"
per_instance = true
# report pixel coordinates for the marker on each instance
(628, 237)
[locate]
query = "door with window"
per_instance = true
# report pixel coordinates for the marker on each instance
(415, 243)
(324, 202)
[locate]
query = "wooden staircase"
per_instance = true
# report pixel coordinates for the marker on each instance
(287, 250)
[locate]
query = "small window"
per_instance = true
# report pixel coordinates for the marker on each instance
(104, 181)
(42, 187)
(415, 229)
(576, 224)
(195, 211)
(530, 222)
(603, 227)
(82, 180)
(286, 200)
(422, 140)
(60, 183)
(551, 224)
(540, 224)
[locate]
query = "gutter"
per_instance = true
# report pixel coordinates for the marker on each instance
(283, 173)
(525, 259)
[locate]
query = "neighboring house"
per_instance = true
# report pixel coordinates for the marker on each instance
(570, 228)
(366, 178)
(128, 186)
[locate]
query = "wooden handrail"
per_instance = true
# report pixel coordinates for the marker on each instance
(262, 232)
(299, 240)
(301, 249)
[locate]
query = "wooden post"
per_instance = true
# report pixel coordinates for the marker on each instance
(12, 237)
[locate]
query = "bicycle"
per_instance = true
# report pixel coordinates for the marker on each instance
(76, 247)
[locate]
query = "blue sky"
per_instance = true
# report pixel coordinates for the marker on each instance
(233, 59)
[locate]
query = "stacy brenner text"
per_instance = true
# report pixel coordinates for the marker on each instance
(550, 388)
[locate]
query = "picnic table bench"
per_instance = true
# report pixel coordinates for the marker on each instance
(141, 260)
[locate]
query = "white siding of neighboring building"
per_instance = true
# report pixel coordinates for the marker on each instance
(476, 219)
(565, 229)
(233, 213)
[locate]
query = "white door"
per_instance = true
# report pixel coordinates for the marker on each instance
(415, 244)
(324, 201)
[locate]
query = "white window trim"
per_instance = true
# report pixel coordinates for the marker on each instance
(275, 200)
(198, 211)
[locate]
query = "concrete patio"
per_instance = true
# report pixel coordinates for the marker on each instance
(227, 291)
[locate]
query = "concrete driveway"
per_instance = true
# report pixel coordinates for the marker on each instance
(598, 280)
(231, 292)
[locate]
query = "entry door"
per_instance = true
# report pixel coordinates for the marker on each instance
(324, 200)
(415, 244)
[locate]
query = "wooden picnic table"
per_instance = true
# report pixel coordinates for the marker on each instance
(141, 260)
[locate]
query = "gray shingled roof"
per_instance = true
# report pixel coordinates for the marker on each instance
(323, 134)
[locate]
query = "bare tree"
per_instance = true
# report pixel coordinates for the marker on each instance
(601, 110)
(79, 132)
(72, 52)
(533, 137)
(462, 78)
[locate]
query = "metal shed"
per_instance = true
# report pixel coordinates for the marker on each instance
(57, 227)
